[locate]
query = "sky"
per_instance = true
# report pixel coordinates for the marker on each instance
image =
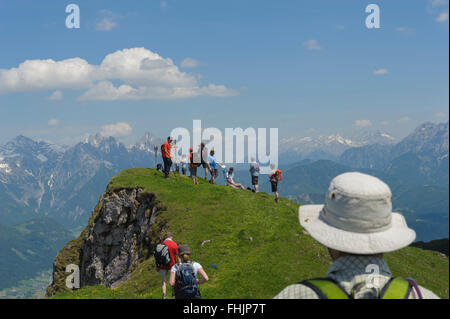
(304, 67)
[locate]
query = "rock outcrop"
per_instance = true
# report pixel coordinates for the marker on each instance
(123, 229)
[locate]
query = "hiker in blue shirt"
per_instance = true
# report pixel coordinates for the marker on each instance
(213, 166)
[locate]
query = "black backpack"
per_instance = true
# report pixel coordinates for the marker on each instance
(162, 257)
(186, 286)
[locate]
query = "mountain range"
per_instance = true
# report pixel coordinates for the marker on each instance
(41, 179)
(329, 147)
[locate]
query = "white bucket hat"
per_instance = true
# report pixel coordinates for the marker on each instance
(357, 217)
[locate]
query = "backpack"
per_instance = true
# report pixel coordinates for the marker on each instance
(326, 288)
(277, 175)
(194, 157)
(186, 286)
(162, 256)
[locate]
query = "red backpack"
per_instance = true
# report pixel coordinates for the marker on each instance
(277, 175)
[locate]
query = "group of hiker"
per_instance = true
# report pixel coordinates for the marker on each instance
(207, 160)
(357, 226)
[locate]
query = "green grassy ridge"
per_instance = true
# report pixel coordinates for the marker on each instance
(258, 246)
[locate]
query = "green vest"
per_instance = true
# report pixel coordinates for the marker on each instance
(326, 288)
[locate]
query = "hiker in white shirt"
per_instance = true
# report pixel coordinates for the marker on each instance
(229, 178)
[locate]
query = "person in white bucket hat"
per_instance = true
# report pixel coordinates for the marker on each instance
(357, 225)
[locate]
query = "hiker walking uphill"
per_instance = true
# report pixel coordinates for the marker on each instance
(165, 153)
(275, 177)
(357, 225)
(183, 276)
(254, 171)
(166, 255)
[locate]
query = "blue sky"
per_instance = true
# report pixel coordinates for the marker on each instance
(305, 67)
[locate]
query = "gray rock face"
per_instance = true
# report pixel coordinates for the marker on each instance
(116, 239)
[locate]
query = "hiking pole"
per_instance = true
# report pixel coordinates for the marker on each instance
(155, 148)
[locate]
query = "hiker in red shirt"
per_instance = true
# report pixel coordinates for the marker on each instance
(275, 177)
(165, 153)
(173, 253)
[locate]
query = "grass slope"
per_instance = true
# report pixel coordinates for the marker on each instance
(258, 246)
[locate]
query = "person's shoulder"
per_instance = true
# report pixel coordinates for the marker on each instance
(196, 265)
(297, 291)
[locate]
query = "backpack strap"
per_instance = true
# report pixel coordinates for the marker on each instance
(396, 288)
(326, 288)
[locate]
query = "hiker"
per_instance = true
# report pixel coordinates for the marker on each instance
(165, 154)
(193, 166)
(275, 177)
(172, 250)
(229, 178)
(203, 159)
(357, 225)
(183, 164)
(212, 162)
(183, 276)
(254, 172)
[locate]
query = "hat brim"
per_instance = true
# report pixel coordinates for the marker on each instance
(396, 237)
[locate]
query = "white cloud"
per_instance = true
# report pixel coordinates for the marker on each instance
(443, 17)
(105, 24)
(54, 122)
(163, 4)
(312, 45)
(117, 130)
(404, 120)
(385, 123)
(380, 71)
(56, 96)
(362, 123)
(141, 73)
(36, 75)
(189, 63)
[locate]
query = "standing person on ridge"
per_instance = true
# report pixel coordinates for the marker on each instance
(173, 253)
(193, 166)
(212, 162)
(183, 164)
(165, 154)
(275, 177)
(203, 159)
(357, 225)
(254, 172)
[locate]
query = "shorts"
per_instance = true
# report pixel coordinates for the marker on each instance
(193, 171)
(204, 165)
(215, 172)
(274, 186)
(255, 180)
